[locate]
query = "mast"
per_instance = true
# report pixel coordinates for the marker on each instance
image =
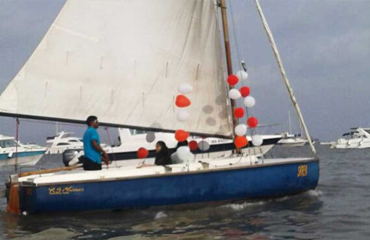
(222, 4)
(285, 78)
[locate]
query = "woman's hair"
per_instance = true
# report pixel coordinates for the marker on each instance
(163, 145)
(163, 156)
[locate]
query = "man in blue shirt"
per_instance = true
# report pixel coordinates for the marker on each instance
(94, 153)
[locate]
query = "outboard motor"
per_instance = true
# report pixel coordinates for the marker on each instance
(71, 157)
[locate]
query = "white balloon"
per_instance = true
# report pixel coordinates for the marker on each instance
(234, 94)
(257, 140)
(183, 115)
(183, 151)
(184, 154)
(203, 145)
(241, 130)
(242, 75)
(249, 101)
(185, 88)
(150, 137)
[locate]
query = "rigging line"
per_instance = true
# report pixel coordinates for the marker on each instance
(235, 36)
(52, 122)
(110, 143)
(16, 145)
(238, 53)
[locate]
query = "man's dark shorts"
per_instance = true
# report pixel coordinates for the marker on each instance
(89, 165)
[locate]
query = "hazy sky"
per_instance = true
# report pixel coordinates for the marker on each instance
(324, 44)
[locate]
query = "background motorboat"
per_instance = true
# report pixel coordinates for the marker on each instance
(26, 154)
(61, 142)
(132, 140)
(356, 138)
(291, 140)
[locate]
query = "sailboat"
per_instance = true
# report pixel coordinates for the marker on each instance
(123, 61)
(292, 140)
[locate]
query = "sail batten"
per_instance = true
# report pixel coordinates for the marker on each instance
(123, 61)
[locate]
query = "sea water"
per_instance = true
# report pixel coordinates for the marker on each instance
(338, 209)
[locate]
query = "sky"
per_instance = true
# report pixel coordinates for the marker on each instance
(324, 45)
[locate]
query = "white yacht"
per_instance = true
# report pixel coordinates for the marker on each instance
(355, 138)
(132, 140)
(61, 142)
(28, 154)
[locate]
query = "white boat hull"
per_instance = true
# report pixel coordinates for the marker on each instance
(293, 142)
(352, 144)
(30, 160)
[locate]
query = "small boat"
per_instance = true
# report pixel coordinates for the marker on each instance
(290, 140)
(238, 177)
(356, 138)
(15, 153)
(126, 62)
(61, 142)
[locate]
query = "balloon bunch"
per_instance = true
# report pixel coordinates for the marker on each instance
(182, 102)
(249, 102)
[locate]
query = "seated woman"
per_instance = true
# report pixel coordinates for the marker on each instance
(162, 156)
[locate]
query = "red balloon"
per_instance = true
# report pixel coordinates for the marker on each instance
(239, 112)
(245, 91)
(181, 135)
(241, 141)
(252, 122)
(232, 80)
(193, 145)
(182, 101)
(142, 153)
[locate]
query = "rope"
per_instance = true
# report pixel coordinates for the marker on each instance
(238, 53)
(110, 143)
(16, 145)
(235, 35)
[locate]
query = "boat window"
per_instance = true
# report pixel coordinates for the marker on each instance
(8, 143)
(368, 131)
(72, 141)
(136, 131)
(62, 144)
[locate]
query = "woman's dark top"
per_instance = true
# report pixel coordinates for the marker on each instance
(163, 157)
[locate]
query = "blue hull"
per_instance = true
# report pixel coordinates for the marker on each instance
(183, 188)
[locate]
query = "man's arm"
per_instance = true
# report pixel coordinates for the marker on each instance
(101, 150)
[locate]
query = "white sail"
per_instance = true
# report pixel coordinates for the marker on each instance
(123, 62)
